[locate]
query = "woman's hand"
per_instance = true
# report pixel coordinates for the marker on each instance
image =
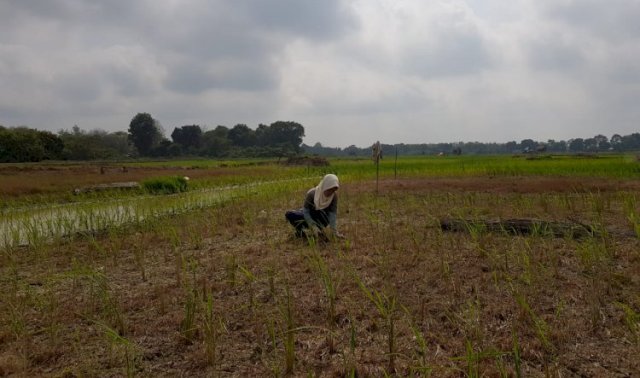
(334, 234)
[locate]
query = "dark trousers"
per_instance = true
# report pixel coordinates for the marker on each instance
(296, 218)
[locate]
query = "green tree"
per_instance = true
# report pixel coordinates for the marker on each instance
(119, 143)
(590, 144)
(631, 142)
(616, 142)
(95, 144)
(286, 134)
(511, 146)
(263, 135)
(557, 146)
(528, 145)
(215, 142)
(144, 133)
(576, 145)
(22, 144)
(187, 136)
(52, 144)
(242, 136)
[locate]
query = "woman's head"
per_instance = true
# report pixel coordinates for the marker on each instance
(325, 191)
(329, 184)
(329, 192)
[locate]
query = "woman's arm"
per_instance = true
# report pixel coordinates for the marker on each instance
(306, 209)
(333, 221)
(308, 219)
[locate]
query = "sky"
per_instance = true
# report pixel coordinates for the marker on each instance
(350, 71)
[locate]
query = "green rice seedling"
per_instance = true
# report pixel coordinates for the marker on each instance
(116, 340)
(271, 331)
(116, 241)
(96, 247)
(478, 231)
(328, 281)
(166, 185)
(195, 234)
(231, 267)
(103, 302)
(271, 280)
(592, 253)
(45, 301)
(349, 356)
(109, 304)
(387, 306)
(598, 204)
(329, 285)
(187, 325)
(180, 265)
(473, 358)
(257, 322)
(250, 281)
(33, 233)
(288, 331)
(517, 359)
(471, 319)
(139, 248)
(15, 314)
(500, 365)
(422, 366)
(524, 259)
(631, 320)
(210, 328)
(174, 238)
(631, 213)
(540, 325)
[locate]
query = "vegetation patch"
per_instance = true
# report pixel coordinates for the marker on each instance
(520, 226)
(166, 185)
(314, 161)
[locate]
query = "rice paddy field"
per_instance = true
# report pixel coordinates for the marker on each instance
(212, 282)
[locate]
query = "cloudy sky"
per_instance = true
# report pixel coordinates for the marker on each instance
(350, 71)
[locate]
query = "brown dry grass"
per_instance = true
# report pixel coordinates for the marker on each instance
(23, 180)
(479, 291)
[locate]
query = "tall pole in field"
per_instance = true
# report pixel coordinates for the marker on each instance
(395, 166)
(376, 156)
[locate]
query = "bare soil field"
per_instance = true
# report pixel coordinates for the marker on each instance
(230, 292)
(21, 180)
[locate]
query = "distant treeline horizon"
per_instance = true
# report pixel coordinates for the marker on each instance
(598, 143)
(145, 138)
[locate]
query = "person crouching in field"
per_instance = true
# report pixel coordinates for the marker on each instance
(320, 210)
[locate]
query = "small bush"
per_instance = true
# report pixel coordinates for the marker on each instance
(166, 185)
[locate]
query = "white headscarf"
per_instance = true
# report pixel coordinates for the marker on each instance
(319, 199)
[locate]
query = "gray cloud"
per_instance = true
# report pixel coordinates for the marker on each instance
(552, 53)
(306, 18)
(195, 77)
(613, 21)
(409, 71)
(453, 55)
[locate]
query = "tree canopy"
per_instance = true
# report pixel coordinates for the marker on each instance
(187, 136)
(280, 138)
(22, 144)
(144, 133)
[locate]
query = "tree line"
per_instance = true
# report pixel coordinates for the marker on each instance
(596, 144)
(145, 138)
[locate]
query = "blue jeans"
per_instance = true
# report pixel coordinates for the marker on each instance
(296, 218)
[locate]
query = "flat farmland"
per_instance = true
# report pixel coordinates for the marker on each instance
(226, 290)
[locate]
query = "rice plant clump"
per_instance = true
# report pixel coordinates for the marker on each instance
(166, 185)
